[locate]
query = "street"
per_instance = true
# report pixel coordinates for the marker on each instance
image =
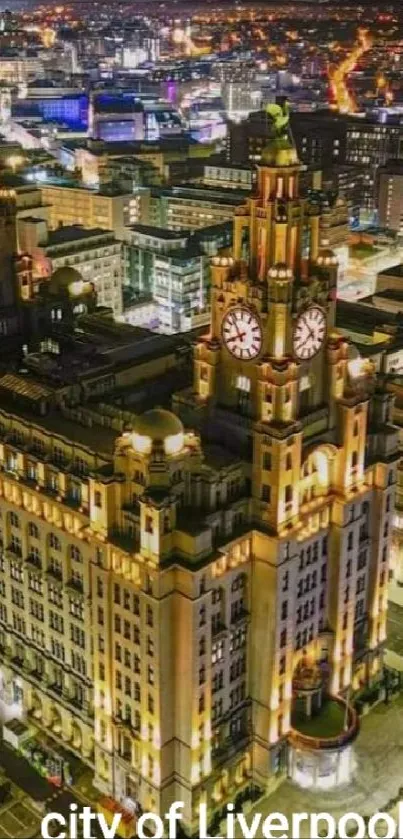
(31, 797)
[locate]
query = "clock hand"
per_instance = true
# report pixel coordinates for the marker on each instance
(240, 335)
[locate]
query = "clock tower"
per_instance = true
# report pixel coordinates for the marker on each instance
(278, 385)
(273, 302)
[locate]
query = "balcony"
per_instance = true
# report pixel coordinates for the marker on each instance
(54, 573)
(34, 561)
(122, 722)
(14, 551)
(75, 585)
(239, 616)
(217, 628)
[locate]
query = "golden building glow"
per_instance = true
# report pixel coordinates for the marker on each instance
(170, 597)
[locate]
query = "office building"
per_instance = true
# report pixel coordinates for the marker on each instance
(107, 207)
(172, 270)
(191, 207)
(390, 195)
(94, 252)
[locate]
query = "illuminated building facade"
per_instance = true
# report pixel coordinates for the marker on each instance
(228, 592)
(190, 208)
(94, 252)
(172, 270)
(390, 195)
(107, 207)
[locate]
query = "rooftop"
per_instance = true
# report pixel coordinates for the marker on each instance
(194, 192)
(74, 233)
(394, 271)
(159, 232)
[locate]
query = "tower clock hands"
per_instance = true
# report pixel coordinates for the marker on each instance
(242, 333)
(239, 333)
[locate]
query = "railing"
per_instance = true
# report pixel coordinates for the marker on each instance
(35, 561)
(296, 738)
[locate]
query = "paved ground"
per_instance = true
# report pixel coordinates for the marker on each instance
(379, 774)
(32, 796)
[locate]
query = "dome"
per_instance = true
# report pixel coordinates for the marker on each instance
(62, 278)
(158, 426)
(280, 152)
(68, 280)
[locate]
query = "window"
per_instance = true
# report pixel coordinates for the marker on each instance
(217, 651)
(150, 674)
(14, 520)
(267, 461)
(33, 530)
(288, 494)
(284, 610)
(266, 492)
(201, 703)
(54, 542)
(98, 499)
(283, 638)
(75, 553)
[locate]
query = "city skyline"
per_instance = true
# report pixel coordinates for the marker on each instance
(201, 413)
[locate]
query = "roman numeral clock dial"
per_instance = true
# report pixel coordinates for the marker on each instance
(242, 333)
(309, 333)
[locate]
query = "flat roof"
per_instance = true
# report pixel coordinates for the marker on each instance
(395, 271)
(73, 233)
(97, 438)
(159, 232)
(390, 294)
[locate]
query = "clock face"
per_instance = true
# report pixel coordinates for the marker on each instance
(242, 333)
(309, 333)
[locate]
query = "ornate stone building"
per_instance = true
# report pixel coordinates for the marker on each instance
(181, 613)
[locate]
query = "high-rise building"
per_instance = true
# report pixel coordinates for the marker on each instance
(390, 195)
(341, 139)
(95, 252)
(107, 207)
(190, 207)
(179, 607)
(173, 270)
